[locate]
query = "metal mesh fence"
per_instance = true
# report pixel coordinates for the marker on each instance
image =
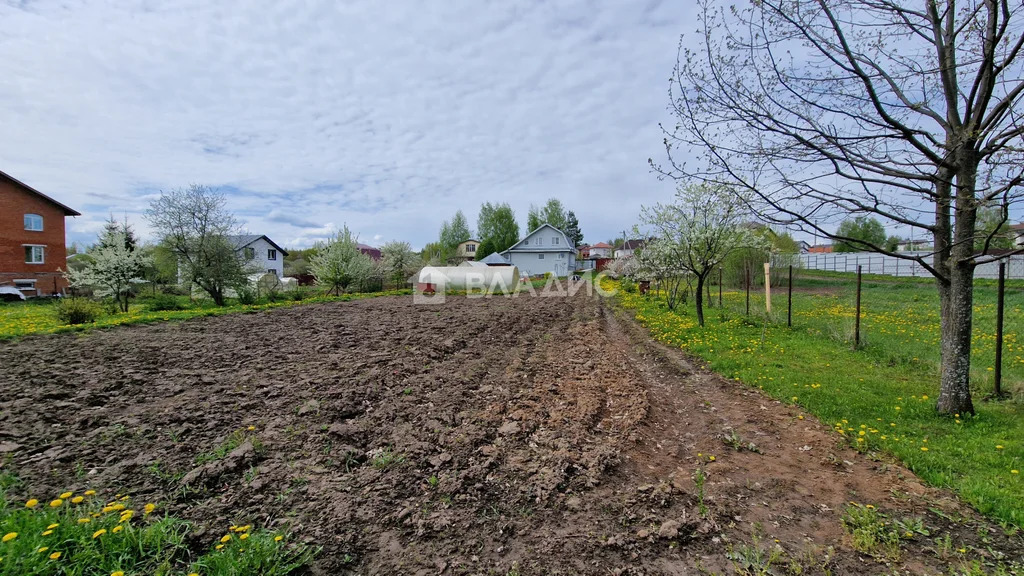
(892, 266)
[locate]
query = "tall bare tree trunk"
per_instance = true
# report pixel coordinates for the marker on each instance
(957, 301)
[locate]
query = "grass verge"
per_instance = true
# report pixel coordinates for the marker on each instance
(81, 534)
(19, 319)
(880, 397)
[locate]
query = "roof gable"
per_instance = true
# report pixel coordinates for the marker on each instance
(528, 243)
(31, 190)
(242, 240)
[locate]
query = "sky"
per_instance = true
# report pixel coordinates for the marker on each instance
(385, 116)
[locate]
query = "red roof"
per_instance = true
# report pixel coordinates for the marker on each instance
(67, 211)
(1017, 226)
(600, 245)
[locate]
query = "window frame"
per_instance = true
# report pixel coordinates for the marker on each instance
(30, 249)
(26, 220)
(271, 254)
(540, 256)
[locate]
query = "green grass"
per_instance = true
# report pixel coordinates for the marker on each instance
(880, 397)
(82, 535)
(18, 319)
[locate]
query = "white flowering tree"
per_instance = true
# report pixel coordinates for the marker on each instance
(339, 263)
(695, 233)
(398, 261)
(656, 262)
(116, 265)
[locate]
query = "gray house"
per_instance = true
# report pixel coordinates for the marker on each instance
(546, 249)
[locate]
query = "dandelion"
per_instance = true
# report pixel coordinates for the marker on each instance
(32, 503)
(1014, 471)
(116, 529)
(117, 573)
(194, 574)
(47, 532)
(251, 428)
(279, 538)
(55, 556)
(65, 495)
(226, 538)
(84, 520)
(9, 536)
(90, 492)
(77, 500)
(99, 533)
(711, 458)
(243, 536)
(924, 448)
(149, 508)
(999, 446)
(218, 546)
(43, 549)
(52, 526)
(56, 503)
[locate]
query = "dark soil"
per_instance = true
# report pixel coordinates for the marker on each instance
(482, 436)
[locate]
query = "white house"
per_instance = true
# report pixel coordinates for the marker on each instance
(262, 252)
(601, 250)
(546, 249)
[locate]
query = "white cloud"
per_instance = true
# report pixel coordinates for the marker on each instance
(387, 117)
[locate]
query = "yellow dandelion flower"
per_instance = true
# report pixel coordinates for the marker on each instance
(149, 508)
(52, 526)
(90, 492)
(43, 549)
(99, 533)
(65, 495)
(924, 448)
(55, 556)
(194, 574)
(116, 529)
(245, 528)
(32, 503)
(999, 446)
(56, 503)
(47, 532)
(218, 546)
(226, 538)
(77, 500)
(278, 538)
(9, 536)
(711, 458)
(84, 520)
(117, 573)
(243, 536)
(1014, 471)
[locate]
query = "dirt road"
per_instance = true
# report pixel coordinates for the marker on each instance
(484, 436)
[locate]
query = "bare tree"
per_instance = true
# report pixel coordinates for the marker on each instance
(818, 110)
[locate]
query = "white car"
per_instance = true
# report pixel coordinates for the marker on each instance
(8, 293)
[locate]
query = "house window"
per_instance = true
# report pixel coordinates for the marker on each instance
(272, 271)
(554, 240)
(34, 222)
(250, 253)
(540, 256)
(271, 254)
(25, 284)
(526, 242)
(561, 255)
(470, 247)
(33, 254)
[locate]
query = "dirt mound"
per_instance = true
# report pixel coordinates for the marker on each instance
(480, 436)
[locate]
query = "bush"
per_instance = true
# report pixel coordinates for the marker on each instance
(163, 302)
(628, 285)
(246, 295)
(77, 311)
(174, 290)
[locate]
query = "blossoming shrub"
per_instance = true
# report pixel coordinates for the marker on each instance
(83, 534)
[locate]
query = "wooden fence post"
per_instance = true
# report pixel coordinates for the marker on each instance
(1001, 288)
(768, 288)
(856, 329)
(789, 312)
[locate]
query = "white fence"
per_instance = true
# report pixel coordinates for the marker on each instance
(892, 266)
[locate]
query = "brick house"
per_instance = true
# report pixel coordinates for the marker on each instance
(32, 250)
